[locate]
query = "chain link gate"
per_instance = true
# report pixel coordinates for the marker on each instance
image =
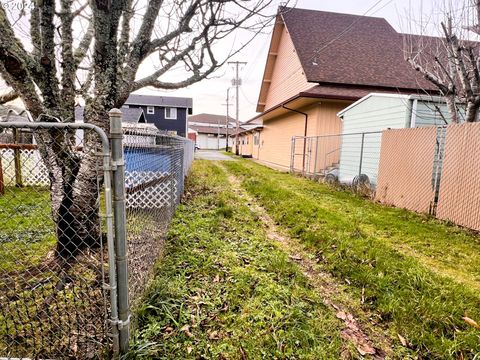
(68, 196)
(58, 272)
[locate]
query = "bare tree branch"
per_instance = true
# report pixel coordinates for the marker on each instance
(456, 70)
(82, 49)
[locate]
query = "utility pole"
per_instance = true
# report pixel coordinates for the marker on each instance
(227, 119)
(236, 82)
(218, 134)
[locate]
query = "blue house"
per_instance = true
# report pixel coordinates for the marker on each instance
(165, 112)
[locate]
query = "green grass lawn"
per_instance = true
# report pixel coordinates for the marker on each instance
(224, 291)
(419, 276)
(27, 232)
(37, 319)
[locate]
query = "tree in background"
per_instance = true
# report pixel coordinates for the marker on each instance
(452, 61)
(51, 52)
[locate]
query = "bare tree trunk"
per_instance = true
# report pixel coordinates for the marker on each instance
(74, 190)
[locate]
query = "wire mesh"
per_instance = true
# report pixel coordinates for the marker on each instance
(53, 262)
(156, 165)
(458, 190)
(406, 176)
(347, 158)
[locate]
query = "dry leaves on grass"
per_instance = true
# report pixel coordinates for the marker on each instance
(353, 333)
(471, 322)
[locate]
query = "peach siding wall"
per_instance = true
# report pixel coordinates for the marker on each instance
(405, 169)
(459, 189)
(327, 149)
(246, 148)
(276, 136)
(256, 148)
(288, 78)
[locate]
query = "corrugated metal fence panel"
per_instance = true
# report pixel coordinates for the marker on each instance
(459, 186)
(405, 169)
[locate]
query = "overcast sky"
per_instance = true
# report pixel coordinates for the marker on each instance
(209, 95)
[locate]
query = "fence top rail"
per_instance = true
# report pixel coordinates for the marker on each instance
(56, 125)
(18, 147)
(332, 135)
(152, 133)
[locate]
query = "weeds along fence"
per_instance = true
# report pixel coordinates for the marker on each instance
(349, 158)
(82, 219)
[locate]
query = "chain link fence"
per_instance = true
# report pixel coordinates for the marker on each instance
(156, 165)
(53, 271)
(346, 158)
(66, 200)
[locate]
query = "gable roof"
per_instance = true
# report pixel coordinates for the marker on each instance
(165, 101)
(129, 115)
(209, 119)
(209, 129)
(344, 49)
(369, 53)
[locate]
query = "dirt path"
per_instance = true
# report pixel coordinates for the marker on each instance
(360, 328)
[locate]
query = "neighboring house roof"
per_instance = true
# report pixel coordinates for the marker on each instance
(164, 101)
(426, 98)
(247, 128)
(345, 92)
(129, 115)
(369, 53)
(209, 129)
(343, 54)
(209, 119)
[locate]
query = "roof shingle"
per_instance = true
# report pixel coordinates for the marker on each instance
(153, 100)
(350, 49)
(209, 119)
(130, 115)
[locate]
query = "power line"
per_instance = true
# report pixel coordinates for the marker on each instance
(246, 98)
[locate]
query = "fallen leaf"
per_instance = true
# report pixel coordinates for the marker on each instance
(189, 349)
(216, 279)
(186, 330)
(402, 340)
(341, 315)
(213, 335)
(471, 322)
(365, 349)
(168, 329)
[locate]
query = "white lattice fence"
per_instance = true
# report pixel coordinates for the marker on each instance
(150, 189)
(33, 171)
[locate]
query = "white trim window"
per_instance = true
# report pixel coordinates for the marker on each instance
(151, 110)
(170, 113)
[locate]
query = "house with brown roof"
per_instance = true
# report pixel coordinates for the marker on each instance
(318, 64)
(210, 131)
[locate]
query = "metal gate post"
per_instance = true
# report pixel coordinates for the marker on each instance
(119, 215)
(361, 155)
